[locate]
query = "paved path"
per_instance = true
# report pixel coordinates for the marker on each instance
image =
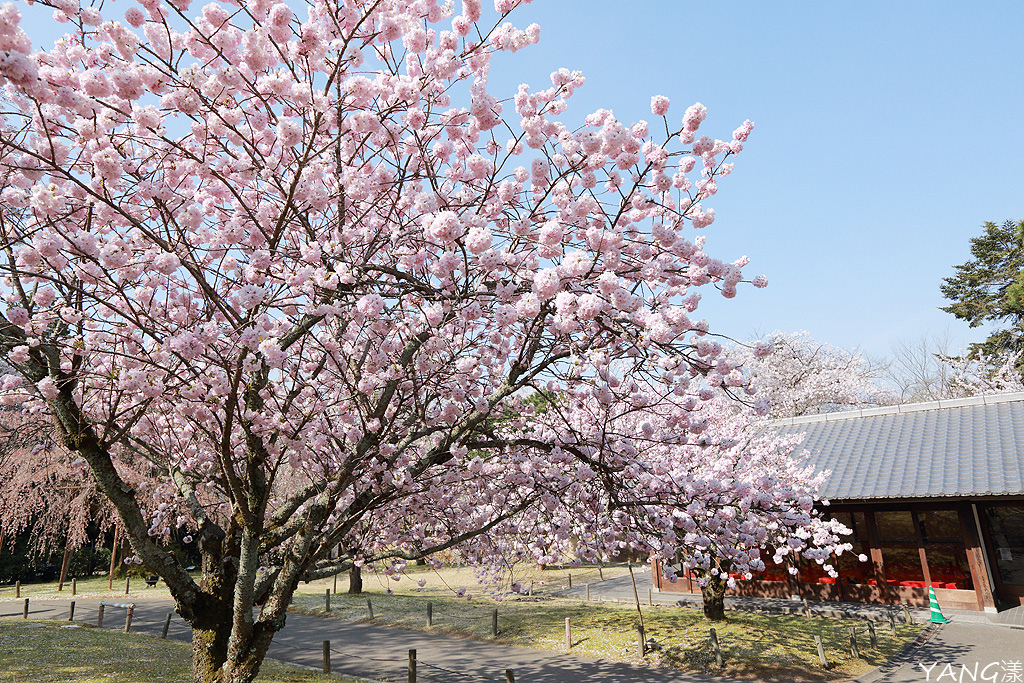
(620, 589)
(959, 652)
(376, 653)
(373, 652)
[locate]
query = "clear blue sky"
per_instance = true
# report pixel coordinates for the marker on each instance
(887, 132)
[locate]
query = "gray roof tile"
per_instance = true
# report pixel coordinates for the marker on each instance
(963, 447)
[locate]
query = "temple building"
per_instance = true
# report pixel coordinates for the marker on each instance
(934, 494)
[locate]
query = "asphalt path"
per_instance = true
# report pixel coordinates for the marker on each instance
(374, 653)
(957, 653)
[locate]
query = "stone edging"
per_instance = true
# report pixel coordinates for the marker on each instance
(902, 657)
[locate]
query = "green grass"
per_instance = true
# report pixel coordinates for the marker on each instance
(755, 646)
(44, 652)
(91, 587)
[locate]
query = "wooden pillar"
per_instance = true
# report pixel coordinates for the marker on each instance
(877, 563)
(977, 559)
(920, 548)
(113, 558)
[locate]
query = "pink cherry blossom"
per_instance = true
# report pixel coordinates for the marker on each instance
(659, 105)
(286, 264)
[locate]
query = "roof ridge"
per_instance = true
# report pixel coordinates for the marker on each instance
(942, 404)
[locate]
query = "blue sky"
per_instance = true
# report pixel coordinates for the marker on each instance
(887, 133)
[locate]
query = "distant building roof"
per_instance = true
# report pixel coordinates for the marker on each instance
(961, 447)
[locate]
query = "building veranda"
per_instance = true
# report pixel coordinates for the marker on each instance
(934, 494)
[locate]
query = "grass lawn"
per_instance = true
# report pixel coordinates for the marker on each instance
(755, 646)
(91, 587)
(44, 652)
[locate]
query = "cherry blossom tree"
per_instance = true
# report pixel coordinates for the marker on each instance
(47, 493)
(927, 368)
(711, 489)
(297, 271)
(41, 489)
(984, 375)
(798, 375)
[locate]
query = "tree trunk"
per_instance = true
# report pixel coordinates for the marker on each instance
(355, 580)
(113, 558)
(713, 593)
(209, 652)
(64, 566)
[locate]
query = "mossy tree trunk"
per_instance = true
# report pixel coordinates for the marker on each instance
(713, 594)
(712, 590)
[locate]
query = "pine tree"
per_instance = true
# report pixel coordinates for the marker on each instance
(988, 289)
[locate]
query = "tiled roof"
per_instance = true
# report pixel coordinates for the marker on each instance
(963, 447)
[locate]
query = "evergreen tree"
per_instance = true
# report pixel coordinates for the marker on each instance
(988, 289)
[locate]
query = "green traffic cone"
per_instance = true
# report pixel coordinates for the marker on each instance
(937, 617)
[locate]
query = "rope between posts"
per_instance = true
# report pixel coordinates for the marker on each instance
(379, 659)
(339, 652)
(457, 673)
(394, 661)
(369, 659)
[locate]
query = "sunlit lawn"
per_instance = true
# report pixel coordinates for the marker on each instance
(91, 587)
(770, 648)
(45, 652)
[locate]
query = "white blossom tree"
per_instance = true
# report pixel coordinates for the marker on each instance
(798, 375)
(710, 487)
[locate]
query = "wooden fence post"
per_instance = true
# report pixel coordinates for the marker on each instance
(74, 586)
(570, 579)
(494, 623)
(127, 584)
(854, 650)
(327, 656)
(99, 617)
(588, 592)
(24, 612)
(641, 642)
(650, 597)
(369, 606)
(892, 623)
(17, 589)
(412, 666)
(71, 611)
(568, 632)
(128, 619)
(430, 614)
(335, 584)
(716, 648)
(510, 677)
(327, 600)
(906, 612)
(821, 652)
(872, 636)
(600, 572)
(167, 625)
(807, 609)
